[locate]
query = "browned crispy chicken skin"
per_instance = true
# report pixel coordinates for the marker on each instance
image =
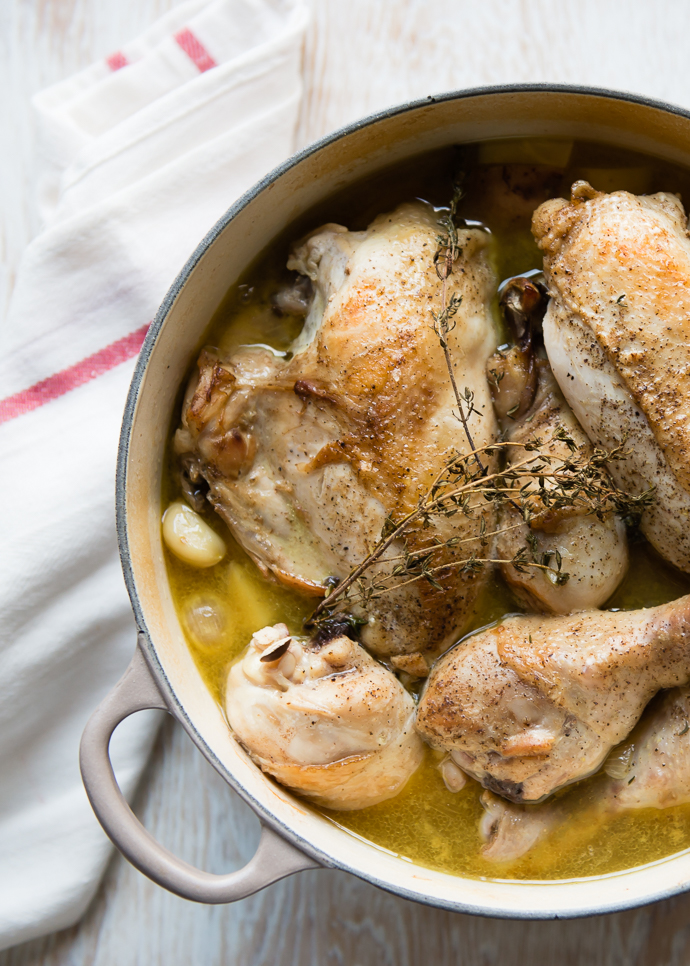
(617, 333)
(306, 458)
(536, 703)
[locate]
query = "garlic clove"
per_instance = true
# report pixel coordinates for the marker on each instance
(190, 538)
(206, 620)
(453, 777)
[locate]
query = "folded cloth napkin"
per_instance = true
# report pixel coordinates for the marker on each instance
(144, 151)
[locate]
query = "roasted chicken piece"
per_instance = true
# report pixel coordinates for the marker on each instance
(651, 770)
(536, 703)
(594, 551)
(508, 831)
(617, 333)
(530, 404)
(306, 458)
(327, 720)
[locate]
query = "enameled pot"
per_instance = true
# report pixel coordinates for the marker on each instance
(162, 673)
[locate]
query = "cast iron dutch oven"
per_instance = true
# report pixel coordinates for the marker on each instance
(162, 673)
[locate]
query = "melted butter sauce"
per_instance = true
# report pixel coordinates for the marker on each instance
(426, 823)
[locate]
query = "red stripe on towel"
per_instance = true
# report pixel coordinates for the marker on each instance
(116, 61)
(194, 50)
(57, 385)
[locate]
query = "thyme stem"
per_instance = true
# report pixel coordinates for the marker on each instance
(454, 565)
(446, 254)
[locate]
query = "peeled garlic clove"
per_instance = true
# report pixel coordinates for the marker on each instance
(453, 777)
(190, 538)
(206, 620)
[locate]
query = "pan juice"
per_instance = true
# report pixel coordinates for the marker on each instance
(425, 823)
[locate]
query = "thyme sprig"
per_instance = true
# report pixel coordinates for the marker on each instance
(536, 483)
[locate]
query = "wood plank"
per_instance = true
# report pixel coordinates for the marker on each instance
(362, 56)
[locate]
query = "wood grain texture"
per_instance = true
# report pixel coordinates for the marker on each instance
(362, 56)
(359, 56)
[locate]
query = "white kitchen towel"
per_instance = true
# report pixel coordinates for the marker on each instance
(144, 152)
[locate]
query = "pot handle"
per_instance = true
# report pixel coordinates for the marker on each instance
(274, 859)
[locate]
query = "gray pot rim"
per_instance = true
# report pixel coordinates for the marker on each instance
(121, 513)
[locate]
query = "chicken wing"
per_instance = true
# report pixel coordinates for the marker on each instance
(617, 333)
(327, 720)
(536, 703)
(306, 457)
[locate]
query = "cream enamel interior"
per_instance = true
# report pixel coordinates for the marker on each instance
(173, 342)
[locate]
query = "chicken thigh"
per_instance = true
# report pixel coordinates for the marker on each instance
(306, 457)
(536, 703)
(326, 720)
(652, 770)
(617, 333)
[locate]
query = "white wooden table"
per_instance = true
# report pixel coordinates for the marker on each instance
(360, 55)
